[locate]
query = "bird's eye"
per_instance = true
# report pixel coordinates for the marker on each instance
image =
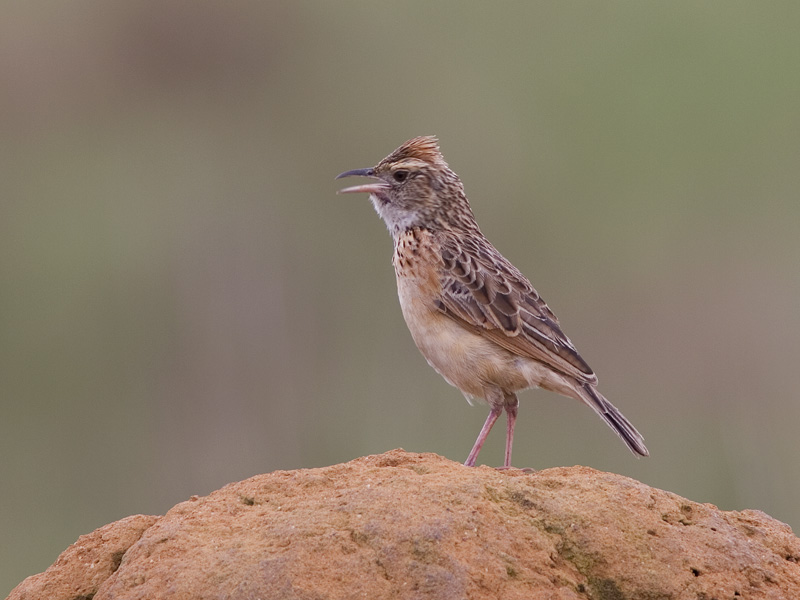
(400, 176)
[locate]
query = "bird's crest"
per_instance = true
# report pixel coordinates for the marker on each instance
(424, 148)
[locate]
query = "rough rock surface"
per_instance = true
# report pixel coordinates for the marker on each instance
(402, 525)
(83, 567)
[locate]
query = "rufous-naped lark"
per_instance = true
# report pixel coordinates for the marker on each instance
(473, 315)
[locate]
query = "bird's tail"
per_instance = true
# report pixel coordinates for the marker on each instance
(615, 419)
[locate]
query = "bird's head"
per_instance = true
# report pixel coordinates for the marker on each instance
(414, 187)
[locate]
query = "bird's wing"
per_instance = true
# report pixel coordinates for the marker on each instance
(486, 293)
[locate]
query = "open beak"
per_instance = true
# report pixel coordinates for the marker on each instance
(369, 188)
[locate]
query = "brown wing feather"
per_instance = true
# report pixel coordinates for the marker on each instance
(486, 293)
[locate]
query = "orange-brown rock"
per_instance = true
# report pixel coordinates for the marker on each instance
(402, 525)
(83, 567)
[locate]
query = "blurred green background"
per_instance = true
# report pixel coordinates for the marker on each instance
(185, 302)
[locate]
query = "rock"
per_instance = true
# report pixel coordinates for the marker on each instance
(83, 567)
(408, 525)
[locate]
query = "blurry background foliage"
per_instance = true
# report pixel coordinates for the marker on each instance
(185, 302)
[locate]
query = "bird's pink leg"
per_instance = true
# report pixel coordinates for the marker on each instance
(487, 427)
(511, 416)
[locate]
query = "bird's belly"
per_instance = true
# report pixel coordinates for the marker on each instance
(465, 359)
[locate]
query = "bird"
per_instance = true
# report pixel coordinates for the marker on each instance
(473, 315)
